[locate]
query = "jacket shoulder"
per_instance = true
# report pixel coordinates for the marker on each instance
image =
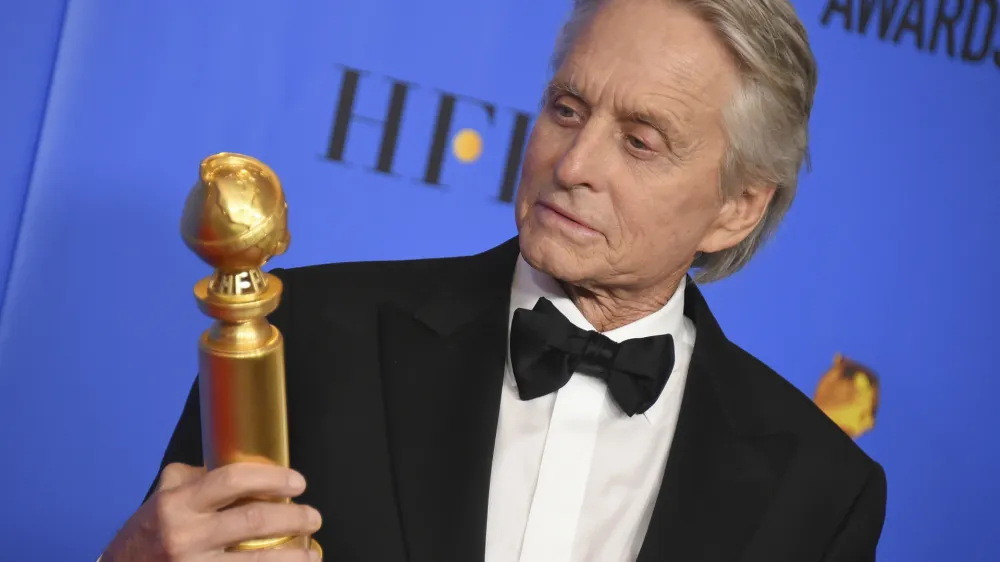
(391, 274)
(832, 469)
(789, 410)
(364, 274)
(328, 290)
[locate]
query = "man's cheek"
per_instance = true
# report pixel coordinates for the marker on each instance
(627, 226)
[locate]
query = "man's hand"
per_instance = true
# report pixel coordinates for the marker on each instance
(184, 520)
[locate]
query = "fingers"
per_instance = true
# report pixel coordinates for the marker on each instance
(258, 520)
(178, 474)
(223, 486)
(182, 520)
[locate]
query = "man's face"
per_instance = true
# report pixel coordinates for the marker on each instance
(620, 180)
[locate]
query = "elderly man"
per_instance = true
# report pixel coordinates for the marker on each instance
(568, 395)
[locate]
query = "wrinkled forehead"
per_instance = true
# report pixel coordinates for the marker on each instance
(650, 52)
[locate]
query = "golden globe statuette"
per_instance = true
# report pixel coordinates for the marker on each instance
(235, 219)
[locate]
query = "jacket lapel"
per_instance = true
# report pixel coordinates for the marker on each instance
(725, 465)
(442, 364)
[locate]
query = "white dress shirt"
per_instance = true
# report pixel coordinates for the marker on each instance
(574, 479)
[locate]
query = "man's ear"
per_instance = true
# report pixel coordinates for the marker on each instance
(738, 217)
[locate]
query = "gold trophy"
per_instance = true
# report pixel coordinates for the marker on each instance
(236, 219)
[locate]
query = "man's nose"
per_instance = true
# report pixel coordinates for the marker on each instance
(584, 161)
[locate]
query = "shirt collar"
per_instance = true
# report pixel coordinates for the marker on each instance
(530, 284)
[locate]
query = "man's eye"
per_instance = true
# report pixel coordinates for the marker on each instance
(637, 144)
(565, 111)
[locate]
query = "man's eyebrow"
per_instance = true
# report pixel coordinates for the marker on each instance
(562, 87)
(660, 123)
(663, 124)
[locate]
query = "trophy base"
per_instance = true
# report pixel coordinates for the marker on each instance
(283, 543)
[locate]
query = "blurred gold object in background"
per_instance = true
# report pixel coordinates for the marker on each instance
(236, 219)
(849, 394)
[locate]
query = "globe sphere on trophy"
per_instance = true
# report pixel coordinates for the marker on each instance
(236, 219)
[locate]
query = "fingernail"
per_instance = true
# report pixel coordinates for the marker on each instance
(295, 480)
(314, 556)
(315, 519)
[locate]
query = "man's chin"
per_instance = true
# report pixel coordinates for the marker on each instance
(561, 259)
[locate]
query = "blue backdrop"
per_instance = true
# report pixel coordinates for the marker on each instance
(888, 255)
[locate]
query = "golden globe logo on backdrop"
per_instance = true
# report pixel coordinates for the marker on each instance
(849, 394)
(965, 30)
(466, 144)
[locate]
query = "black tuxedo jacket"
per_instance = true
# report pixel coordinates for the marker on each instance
(394, 372)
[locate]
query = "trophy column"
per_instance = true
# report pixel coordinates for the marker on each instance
(235, 219)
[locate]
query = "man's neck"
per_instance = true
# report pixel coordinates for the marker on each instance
(608, 309)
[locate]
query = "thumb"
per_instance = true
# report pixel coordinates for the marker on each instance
(177, 474)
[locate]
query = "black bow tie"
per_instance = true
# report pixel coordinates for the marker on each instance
(546, 349)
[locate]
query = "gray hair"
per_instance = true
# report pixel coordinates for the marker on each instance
(767, 122)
